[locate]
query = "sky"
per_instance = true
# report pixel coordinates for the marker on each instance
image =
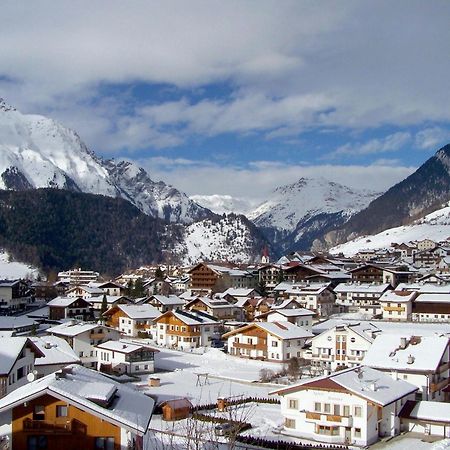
(238, 97)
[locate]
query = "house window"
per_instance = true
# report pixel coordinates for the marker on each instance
(326, 408)
(293, 404)
(61, 411)
(37, 443)
(358, 411)
(337, 410)
(317, 407)
(346, 410)
(357, 432)
(289, 423)
(274, 343)
(39, 413)
(104, 443)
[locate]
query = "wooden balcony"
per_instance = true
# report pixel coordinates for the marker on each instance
(326, 418)
(438, 386)
(394, 308)
(250, 346)
(71, 426)
(334, 418)
(183, 333)
(313, 415)
(97, 335)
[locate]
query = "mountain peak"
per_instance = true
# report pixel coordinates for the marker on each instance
(5, 106)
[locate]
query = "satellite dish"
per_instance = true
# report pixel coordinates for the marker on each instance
(31, 377)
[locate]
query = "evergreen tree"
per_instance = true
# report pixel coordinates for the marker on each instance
(262, 288)
(104, 307)
(159, 274)
(138, 288)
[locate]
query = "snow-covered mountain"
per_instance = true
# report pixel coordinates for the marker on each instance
(232, 238)
(36, 151)
(306, 198)
(299, 213)
(224, 204)
(434, 226)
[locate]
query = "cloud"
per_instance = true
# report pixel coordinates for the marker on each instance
(287, 69)
(256, 181)
(431, 138)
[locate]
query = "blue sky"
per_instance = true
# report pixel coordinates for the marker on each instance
(239, 97)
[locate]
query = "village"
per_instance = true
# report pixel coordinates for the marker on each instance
(309, 350)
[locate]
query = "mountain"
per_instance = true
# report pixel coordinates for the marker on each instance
(232, 238)
(434, 226)
(38, 152)
(224, 204)
(297, 214)
(424, 191)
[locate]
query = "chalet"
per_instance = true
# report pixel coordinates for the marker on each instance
(368, 273)
(300, 272)
(207, 278)
(85, 291)
(270, 275)
(241, 292)
(14, 294)
(17, 325)
(17, 356)
(76, 408)
(132, 320)
(397, 305)
(421, 360)
(56, 354)
(360, 297)
(218, 308)
(184, 330)
(270, 341)
(125, 357)
(298, 316)
(430, 258)
(354, 406)
(431, 308)
(83, 337)
(113, 288)
(163, 303)
(342, 346)
(111, 300)
(69, 308)
(317, 297)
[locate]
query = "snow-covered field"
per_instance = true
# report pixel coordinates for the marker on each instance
(434, 226)
(11, 270)
(228, 376)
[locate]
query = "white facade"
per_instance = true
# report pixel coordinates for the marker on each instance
(301, 318)
(360, 297)
(126, 357)
(397, 305)
(345, 408)
(83, 338)
(344, 345)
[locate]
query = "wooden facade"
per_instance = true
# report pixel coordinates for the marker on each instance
(55, 424)
(203, 278)
(367, 274)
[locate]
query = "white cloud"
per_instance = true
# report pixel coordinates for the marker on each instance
(291, 66)
(256, 182)
(430, 138)
(391, 143)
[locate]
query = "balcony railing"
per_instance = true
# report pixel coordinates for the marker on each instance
(326, 418)
(68, 427)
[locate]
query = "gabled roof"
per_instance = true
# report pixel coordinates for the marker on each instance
(196, 318)
(136, 312)
(362, 287)
(171, 300)
(422, 354)
(281, 329)
(365, 382)
(11, 348)
(74, 329)
(124, 347)
(289, 312)
(88, 390)
(64, 302)
(398, 296)
(55, 350)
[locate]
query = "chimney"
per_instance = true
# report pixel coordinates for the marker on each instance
(403, 343)
(373, 386)
(47, 345)
(411, 359)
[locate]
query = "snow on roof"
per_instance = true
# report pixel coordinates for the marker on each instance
(55, 350)
(424, 288)
(192, 317)
(73, 329)
(284, 330)
(291, 312)
(398, 296)
(433, 298)
(82, 387)
(124, 347)
(365, 382)
(284, 304)
(433, 411)
(10, 348)
(110, 299)
(171, 300)
(141, 311)
(15, 322)
(361, 287)
(239, 292)
(421, 353)
(62, 302)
